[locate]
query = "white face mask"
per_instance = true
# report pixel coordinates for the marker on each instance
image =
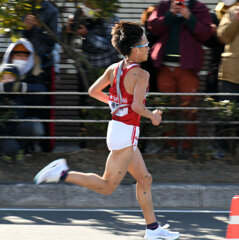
(229, 2)
(20, 64)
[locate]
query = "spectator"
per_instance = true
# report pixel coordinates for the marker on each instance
(96, 44)
(44, 46)
(181, 28)
(228, 33)
(147, 65)
(216, 48)
(21, 54)
(12, 149)
(96, 39)
(41, 40)
(149, 147)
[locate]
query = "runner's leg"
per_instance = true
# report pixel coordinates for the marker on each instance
(139, 171)
(116, 167)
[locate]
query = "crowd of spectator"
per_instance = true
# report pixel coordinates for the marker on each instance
(45, 46)
(177, 31)
(183, 29)
(33, 58)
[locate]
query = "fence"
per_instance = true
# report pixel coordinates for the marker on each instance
(94, 116)
(67, 121)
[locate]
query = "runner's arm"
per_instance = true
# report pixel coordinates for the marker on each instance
(96, 90)
(138, 105)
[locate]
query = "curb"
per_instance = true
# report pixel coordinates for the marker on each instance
(193, 196)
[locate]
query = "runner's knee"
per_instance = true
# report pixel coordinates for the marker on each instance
(109, 187)
(146, 181)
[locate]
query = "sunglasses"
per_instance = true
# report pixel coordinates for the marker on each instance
(139, 46)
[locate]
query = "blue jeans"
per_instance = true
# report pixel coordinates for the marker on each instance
(10, 147)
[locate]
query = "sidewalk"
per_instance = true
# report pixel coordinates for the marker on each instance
(191, 196)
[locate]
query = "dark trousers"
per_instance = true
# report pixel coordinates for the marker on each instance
(49, 128)
(11, 147)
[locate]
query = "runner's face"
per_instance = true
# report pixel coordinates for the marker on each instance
(143, 51)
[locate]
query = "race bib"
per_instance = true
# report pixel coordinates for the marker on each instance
(120, 112)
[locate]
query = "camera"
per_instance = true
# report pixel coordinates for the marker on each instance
(180, 2)
(79, 19)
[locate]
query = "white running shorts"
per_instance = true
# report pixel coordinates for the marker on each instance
(121, 135)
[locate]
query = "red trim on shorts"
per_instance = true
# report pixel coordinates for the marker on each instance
(133, 135)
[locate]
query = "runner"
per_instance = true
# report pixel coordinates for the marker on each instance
(129, 85)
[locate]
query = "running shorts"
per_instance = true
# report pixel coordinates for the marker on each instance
(121, 135)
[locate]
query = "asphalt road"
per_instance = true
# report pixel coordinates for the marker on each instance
(83, 224)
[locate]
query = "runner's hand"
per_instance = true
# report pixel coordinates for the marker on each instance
(157, 117)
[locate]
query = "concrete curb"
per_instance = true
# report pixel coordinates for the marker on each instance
(193, 196)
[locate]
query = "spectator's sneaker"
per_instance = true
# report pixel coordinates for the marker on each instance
(52, 172)
(20, 157)
(7, 159)
(218, 154)
(160, 234)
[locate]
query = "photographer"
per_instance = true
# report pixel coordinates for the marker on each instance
(95, 33)
(228, 80)
(45, 47)
(181, 27)
(13, 149)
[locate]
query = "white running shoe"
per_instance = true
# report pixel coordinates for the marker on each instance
(52, 172)
(160, 234)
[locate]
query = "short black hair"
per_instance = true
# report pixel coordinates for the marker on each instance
(125, 35)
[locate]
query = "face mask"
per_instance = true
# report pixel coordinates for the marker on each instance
(20, 64)
(229, 2)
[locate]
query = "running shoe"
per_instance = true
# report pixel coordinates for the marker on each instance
(52, 172)
(160, 234)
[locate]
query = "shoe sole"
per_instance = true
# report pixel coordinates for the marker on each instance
(154, 239)
(161, 238)
(40, 175)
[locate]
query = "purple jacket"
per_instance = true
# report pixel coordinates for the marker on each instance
(190, 43)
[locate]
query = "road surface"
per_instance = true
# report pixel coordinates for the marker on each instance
(87, 224)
